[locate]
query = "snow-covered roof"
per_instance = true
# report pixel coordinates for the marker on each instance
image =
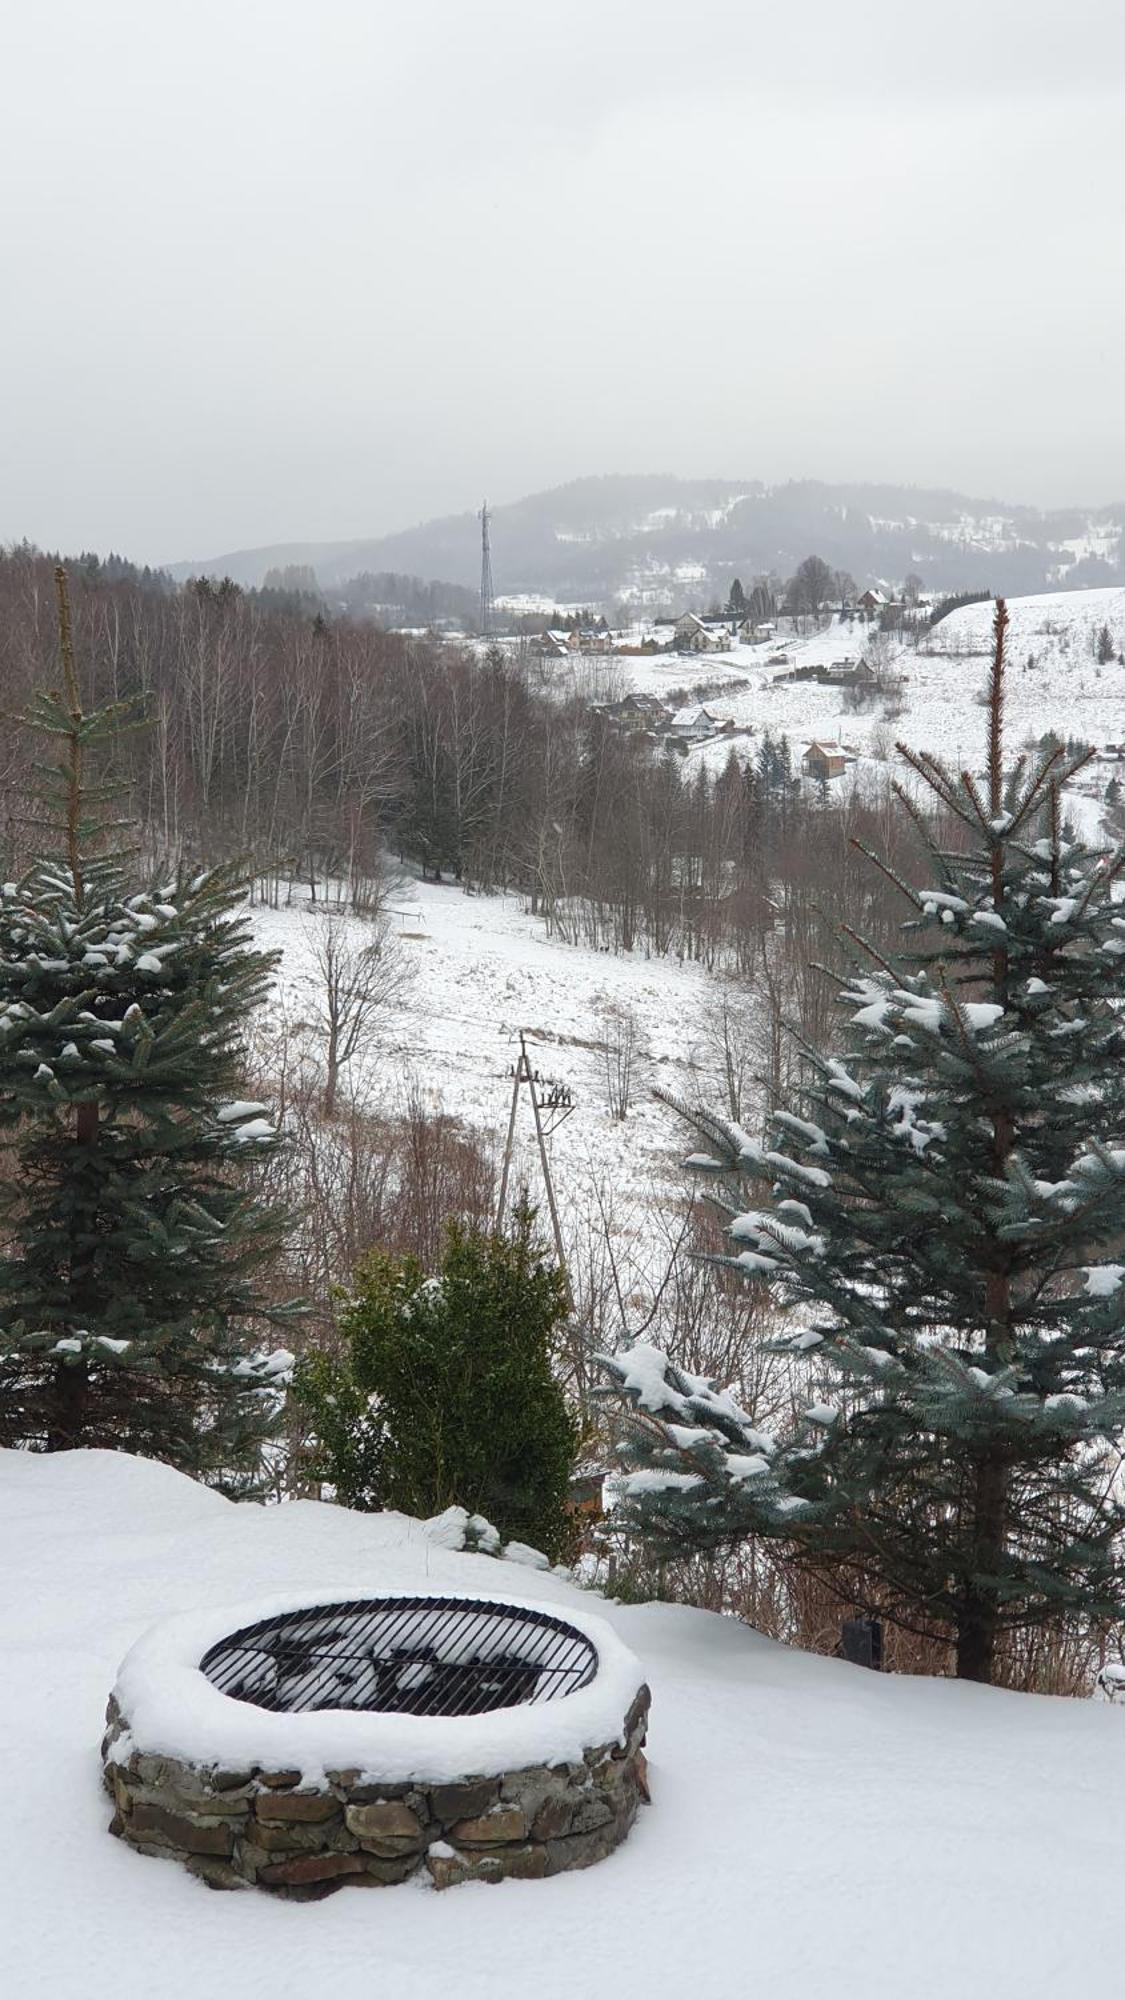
(690, 718)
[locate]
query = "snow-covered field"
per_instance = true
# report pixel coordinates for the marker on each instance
(480, 969)
(1063, 688)
(815, 1830)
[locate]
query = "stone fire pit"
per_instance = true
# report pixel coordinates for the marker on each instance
(308, 1743)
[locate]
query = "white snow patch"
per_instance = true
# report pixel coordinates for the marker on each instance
(1103, 1279)
(1003, 1808)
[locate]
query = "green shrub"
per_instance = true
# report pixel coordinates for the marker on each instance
(445, 1395)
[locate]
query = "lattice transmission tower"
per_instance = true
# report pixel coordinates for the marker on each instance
(487, 605)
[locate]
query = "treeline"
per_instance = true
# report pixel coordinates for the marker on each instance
(314, 746)
(389, 596)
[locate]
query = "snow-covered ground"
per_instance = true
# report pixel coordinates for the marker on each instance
(815, 1830)
(1054, 682)
(480, 969)
(483, 967)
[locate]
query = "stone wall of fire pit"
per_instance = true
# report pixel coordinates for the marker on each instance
(235, 1828)
(303, 1829)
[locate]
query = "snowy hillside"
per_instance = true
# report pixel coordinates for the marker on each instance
(1057, 630)
(480, 968)
(814, 1830)
(657, 540)
(1054, 682)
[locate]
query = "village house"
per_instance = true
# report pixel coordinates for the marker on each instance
(638, 711)
(753, 631)
(822, 763)
(872, 600)
(693, 634)
(851, 673)
(558, 644)
(695, 724)
(550, 645)
(591, 639)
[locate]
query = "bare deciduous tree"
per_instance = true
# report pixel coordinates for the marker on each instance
(359, 974)
(619, 1027)
(730, 1047)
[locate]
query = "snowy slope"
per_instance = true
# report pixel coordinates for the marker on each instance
(816, 1830)
(1063, 688)
(654, 539)
(1057, 627)
(482, 968)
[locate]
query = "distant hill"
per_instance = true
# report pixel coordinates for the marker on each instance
(682, 541)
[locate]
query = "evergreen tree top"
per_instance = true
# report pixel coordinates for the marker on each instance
(132, 1244)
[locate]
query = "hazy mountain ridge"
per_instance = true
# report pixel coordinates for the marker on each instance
(655, 538)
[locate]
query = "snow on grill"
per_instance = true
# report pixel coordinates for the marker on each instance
(405, 1656)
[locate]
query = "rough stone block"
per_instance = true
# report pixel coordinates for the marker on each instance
(157, 1850)
(386, 1827)
(553, 1817)
(464, 1801)
(276, 1806)
(579, 1850)
(590, 1813)
(308, 1868)
(531, 1788)
(384, 1868)
(298, 1836)
(148, 1770)
(498, 1827)
(374, 1793)
(216, 1874)
(637, 1712)
(229, 1781)
(278, 1781)
(193, 1805)
(512, 1863)
(249, 1857)
(192, 1836)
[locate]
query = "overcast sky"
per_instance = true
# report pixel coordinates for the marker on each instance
(289, 269)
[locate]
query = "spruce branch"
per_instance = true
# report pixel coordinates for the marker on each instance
(934, 775)
(885, 869)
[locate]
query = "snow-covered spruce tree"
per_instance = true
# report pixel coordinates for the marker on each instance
(130, 1244)
(944, 1221)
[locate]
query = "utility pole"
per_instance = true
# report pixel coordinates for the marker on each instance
(557, 1103)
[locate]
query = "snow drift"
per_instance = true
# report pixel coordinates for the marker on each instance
(815, 1829)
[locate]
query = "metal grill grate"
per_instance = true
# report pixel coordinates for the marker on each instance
(403, 1656)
